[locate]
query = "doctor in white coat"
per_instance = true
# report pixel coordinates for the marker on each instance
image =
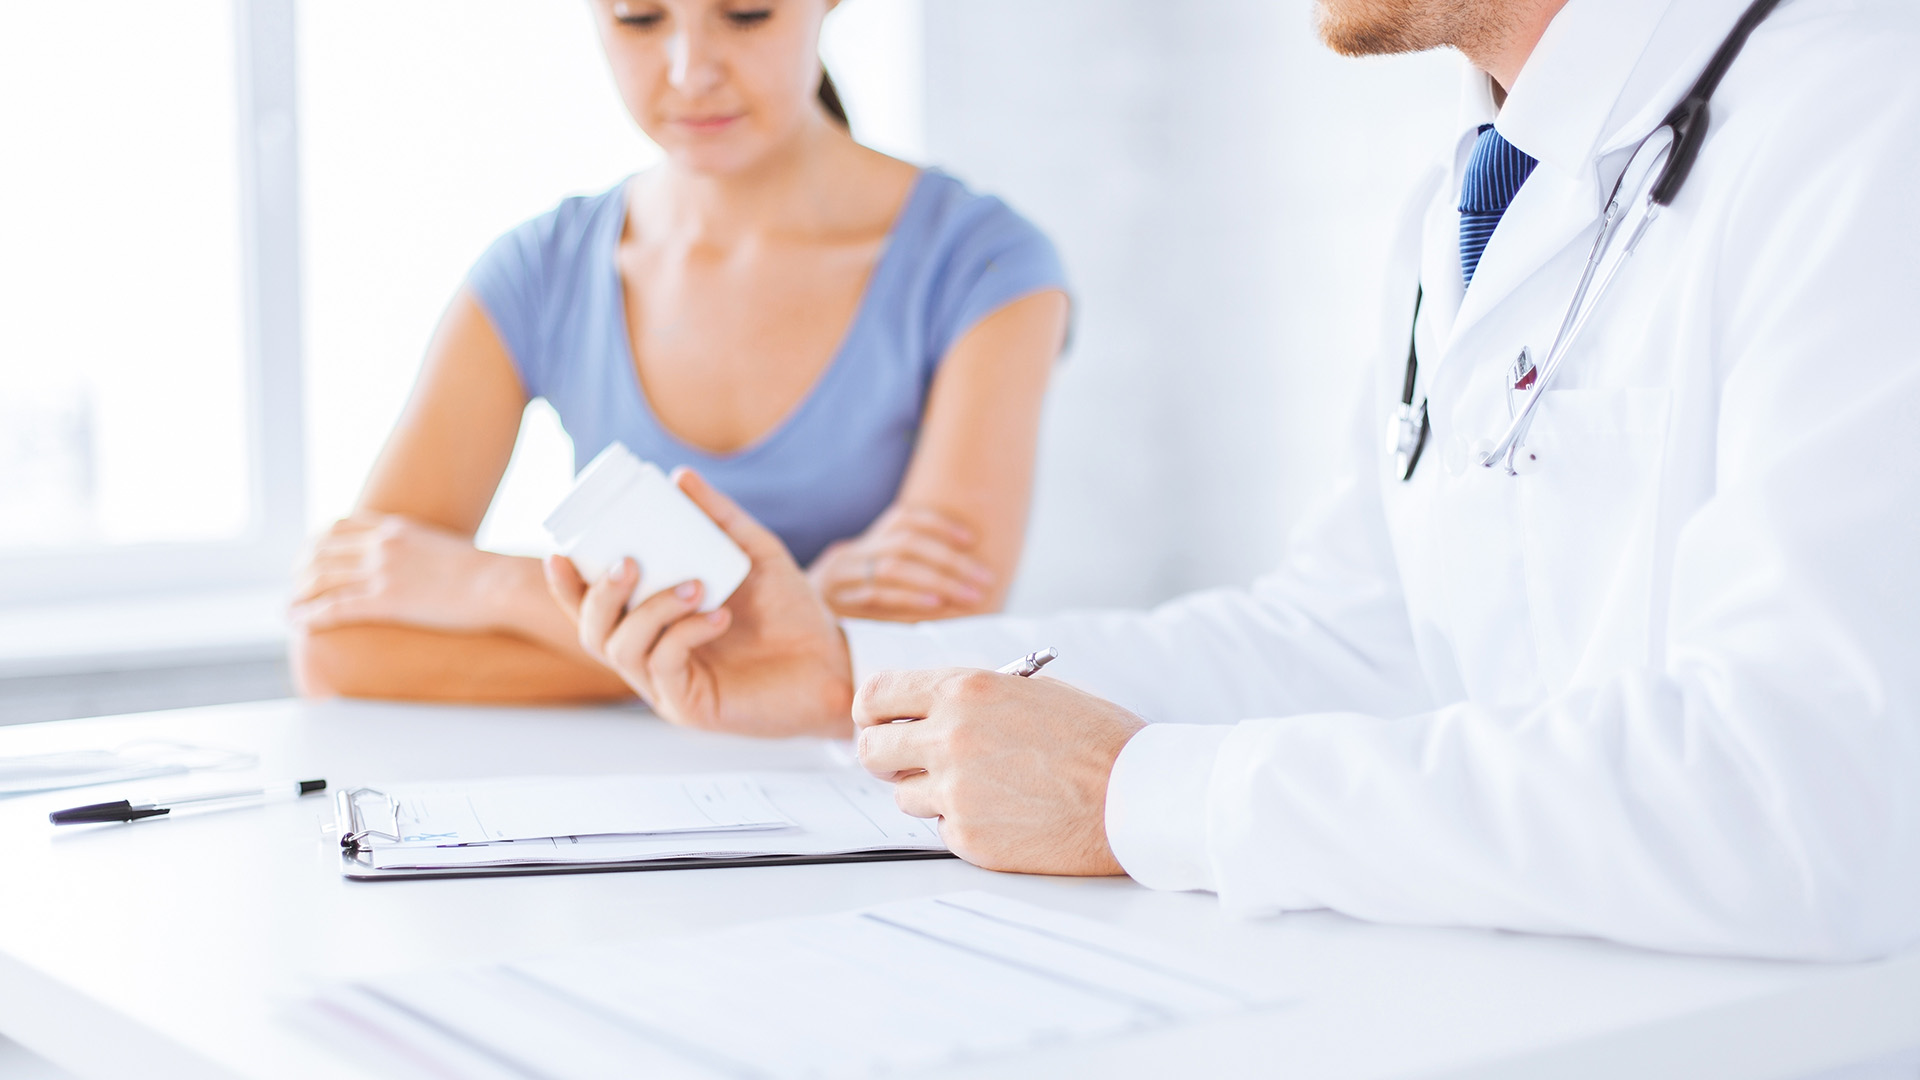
(1661, 686)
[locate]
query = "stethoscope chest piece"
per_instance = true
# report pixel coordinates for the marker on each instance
(1407, 433)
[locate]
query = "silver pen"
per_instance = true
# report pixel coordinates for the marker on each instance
(1031, 662)
(1022, 667)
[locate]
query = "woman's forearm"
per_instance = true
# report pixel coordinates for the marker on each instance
(512, 590)
(408, 664)
(951, 542)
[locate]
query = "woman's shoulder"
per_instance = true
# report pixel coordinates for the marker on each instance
(560, 237)
(538, 279)
(954, 217)
(972, 254)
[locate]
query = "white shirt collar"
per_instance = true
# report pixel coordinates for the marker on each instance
(1476, 100)
(1602, 66)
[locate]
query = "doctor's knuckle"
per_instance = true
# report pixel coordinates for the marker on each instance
(970, 687)
(959, 740)
(871, 687)
(964, 838)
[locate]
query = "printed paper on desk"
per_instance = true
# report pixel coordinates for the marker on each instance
(622, 506)
(961, 981)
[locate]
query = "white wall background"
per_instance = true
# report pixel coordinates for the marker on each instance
(1222, 188)
(427, 129)
(1220, 185)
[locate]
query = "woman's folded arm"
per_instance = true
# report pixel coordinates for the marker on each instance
(406, 663)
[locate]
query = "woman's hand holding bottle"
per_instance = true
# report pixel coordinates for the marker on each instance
(772, 661)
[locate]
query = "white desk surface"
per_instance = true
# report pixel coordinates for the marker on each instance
(175, 948)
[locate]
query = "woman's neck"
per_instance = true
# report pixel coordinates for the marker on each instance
(787, 191)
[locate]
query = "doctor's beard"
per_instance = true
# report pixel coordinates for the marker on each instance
(1379, 27)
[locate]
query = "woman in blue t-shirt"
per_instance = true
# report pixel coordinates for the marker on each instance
(853, 348)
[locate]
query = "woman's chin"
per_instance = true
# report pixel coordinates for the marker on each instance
(716, 156)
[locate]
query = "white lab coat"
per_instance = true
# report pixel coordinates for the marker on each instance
(1663, 689)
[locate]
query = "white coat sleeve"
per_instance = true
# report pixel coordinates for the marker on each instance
(1328, 630)
(1754, 791)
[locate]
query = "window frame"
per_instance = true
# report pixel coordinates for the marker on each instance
(267, 129)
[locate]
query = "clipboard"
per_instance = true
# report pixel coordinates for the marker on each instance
(368, 816)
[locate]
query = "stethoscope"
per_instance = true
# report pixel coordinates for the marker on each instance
(1657, 169)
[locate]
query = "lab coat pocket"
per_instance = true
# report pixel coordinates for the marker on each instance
(1588, 512)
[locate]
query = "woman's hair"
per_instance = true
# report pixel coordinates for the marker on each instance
(830, 100)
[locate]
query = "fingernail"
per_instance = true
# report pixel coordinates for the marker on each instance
(969, 594)
(929, 600)
(981, 574)
(686, 589)
(625, 570)
(716, 615)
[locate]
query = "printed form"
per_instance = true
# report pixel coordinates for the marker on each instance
(580, 820)
(491, 811)
(984, 976)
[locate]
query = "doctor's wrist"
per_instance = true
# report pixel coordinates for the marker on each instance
(1157, 801)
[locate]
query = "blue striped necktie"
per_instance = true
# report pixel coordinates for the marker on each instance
(1494, 175)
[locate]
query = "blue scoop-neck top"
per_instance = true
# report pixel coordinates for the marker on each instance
(552, 289)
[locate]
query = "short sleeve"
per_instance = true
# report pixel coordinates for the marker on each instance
(536, 278)
(994, 257)
(511, 282)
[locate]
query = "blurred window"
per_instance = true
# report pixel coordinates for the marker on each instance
(210, 315)
(128, 401)
(121, 414)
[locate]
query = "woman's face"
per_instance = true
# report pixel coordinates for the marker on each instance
(716, 83)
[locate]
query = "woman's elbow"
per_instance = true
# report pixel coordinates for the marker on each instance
(326, 663)
(359, 662)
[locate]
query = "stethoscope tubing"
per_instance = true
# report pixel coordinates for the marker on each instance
(1686, 127)
(1507, 450)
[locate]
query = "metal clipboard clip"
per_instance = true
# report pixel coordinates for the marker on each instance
(362, 826)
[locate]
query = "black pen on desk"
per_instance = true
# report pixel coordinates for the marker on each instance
(1030, 663)
(126, 810)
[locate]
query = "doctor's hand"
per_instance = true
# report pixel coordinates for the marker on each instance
(1015, 769)
(771, 661)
